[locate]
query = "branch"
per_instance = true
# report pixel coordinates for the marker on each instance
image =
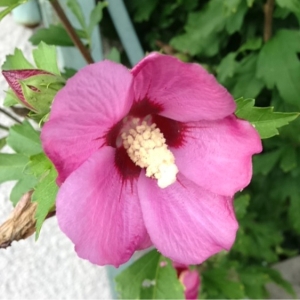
(165, 47)
(268, 11)
(10, 115)
(72, 33)
(4, 127)
(21, 223)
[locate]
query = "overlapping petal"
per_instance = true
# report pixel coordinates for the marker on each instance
(92, 101)
(100, 212)
(217, 155)
(191, 281)
(103, 89)
(185, 92)
(69, 143)
(186, 222)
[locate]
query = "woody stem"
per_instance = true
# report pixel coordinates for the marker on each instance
(72, 33)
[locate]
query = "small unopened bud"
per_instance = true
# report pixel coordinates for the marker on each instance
(35, 89)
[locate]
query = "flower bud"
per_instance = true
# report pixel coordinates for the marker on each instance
(35, 89)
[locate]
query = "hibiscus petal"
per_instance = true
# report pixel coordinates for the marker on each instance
(100, 212)
(217, 155)
(68, 143)
(185, 222)
(185, 92)
(145, 243)
(103, 89)
(92, 101)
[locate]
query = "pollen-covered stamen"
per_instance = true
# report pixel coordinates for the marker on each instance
(146, 146)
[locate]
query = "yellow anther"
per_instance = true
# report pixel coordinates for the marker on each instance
(146, 146)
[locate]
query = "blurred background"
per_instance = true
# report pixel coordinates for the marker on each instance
(253, 48)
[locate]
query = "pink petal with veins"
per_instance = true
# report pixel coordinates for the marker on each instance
(185, 222)
(100, 212)
(92, 102)
(217, 155)
(185, 91)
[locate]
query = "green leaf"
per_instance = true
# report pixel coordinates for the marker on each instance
(150, 277)
(289, 159)
(265, 121)
(291, 5)
(204, 29)
(24, 185)
(45, 58)
(245, 82)
(11, 2)
(12, 166)
(16, 61)
(251, 44)
(281, 13)
(257, 239)
(143, 9)
(41, 168)
(45, 194)
(114, 55)
(240, 205)
(188, 5)
(279, 56)
(293, 191)
(204, 26)
(231, 6)
(264, 163)
(236, 10)
(68, 73)
(217, 280)
(227, 67)
(38, 165)
(77, 12)
(24, 139)
(54, 35)
(95, 16)
(7, 10)
(278, 279)
(2, 142)
(10, 99)
(254, 280)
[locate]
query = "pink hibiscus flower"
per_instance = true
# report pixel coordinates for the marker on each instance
(148, 156)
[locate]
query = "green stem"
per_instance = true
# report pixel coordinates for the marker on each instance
(72, 33)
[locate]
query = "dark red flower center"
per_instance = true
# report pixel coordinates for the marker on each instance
(172, 131)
